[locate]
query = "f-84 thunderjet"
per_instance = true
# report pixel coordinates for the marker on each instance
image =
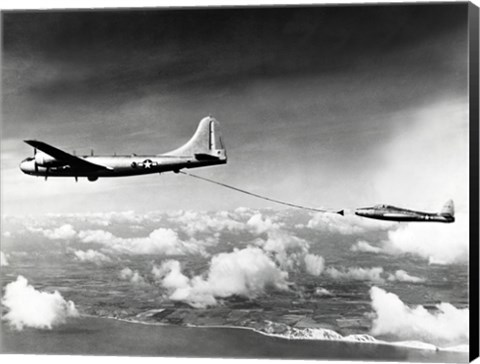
(205, 148)
(392, 213)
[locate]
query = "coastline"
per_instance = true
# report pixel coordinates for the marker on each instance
(88, 335)
(360, 338)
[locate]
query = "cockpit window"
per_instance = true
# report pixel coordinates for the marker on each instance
(28, 159)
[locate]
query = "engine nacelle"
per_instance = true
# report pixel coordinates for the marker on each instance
(45, 160)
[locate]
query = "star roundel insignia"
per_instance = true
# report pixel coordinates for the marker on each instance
(147, 163)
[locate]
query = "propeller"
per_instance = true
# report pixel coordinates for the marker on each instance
(34, 161)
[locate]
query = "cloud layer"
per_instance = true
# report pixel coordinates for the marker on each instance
(347, 224)
(28, 307)
(247, 272)
(402, 276)
(447, 326)
(358, 274)
(92, 256)
(439, 243)
(133, 276)
(3, 259)
(363, 246)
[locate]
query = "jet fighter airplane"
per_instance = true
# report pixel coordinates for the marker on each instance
(392, 213)
(205, 148)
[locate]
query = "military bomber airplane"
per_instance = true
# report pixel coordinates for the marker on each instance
(205, 148)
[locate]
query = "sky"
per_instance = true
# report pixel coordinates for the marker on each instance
(337, 107)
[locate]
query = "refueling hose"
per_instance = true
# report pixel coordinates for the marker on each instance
(262, 197)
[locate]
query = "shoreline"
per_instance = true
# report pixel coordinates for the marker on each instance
(90, 335)
(418, 345)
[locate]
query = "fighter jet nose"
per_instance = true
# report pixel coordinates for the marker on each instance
(362, 212)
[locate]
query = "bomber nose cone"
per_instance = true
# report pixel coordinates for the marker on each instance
(27, 166)
(22, 166)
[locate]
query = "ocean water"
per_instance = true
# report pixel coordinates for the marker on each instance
(283, 273)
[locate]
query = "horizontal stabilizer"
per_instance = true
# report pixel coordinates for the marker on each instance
(341, 212)
(205, 157)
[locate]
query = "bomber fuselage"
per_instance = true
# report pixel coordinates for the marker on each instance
(119, 166)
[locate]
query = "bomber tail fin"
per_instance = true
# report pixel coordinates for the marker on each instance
(448, 209)
(205, 144)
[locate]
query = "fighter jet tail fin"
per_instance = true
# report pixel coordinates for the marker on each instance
(205, 144)
(448, 209)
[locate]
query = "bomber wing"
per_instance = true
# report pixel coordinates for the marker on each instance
(69, 159)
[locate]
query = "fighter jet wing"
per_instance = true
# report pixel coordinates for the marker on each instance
(69, 159)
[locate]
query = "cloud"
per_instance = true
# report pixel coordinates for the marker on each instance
(347, 224)
(289, 251)
(160, 241)
(359, 274)
(192, 222)
(28, 307)
(402, 276)
(91, 256)
(322, 292)
(170, 275)
(132, 276)
(363, 246)
(426, 163)
(447, 326)
(439, 243)
(96, 236)
(3, 259)
(63, 232)
(247, 272)
(314, 264)
(260, 225)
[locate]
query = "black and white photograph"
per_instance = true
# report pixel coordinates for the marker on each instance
(266, 181)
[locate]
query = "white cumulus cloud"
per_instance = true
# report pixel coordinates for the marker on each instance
(402, 276)
(63, 232)
(314, 264)
(3, 259)
(132, 276)
(247, 272)
(439, 243)
(96, 236)
(320, 291)
(289, 251)
(192, 222)
(346, 224)
(447, 326)
(260, 225)
(355, 273)
(363, 246)
(91, 256)
(160, 241)
(170, 275)
(31, 308)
